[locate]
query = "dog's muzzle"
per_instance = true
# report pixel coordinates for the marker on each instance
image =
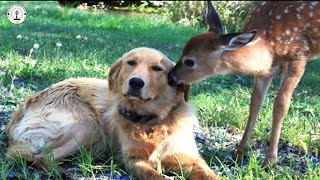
(135, 86)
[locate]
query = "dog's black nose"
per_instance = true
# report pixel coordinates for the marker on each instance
(136, 83)
(171, 80)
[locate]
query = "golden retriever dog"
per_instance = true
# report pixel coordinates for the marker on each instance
(134, 114)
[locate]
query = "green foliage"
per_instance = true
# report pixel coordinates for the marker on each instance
(232, 13)
(146, 7)
(189, 13)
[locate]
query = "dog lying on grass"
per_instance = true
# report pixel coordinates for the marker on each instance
(134, 114)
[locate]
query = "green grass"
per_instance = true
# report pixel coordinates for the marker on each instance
(92, 41)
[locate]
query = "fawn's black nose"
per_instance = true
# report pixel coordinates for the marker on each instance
(171, 80)
(136, 83)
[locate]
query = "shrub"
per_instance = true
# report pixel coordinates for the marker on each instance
(232, 13)
(186, 12)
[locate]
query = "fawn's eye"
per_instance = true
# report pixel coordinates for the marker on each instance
(132, 62)
(189, 62)
(157, 68)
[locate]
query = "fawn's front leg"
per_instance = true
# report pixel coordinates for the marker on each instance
(261, 86)
(196, 168)
(281, 106)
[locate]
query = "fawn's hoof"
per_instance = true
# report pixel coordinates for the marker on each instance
(240, 154)
(269, 161)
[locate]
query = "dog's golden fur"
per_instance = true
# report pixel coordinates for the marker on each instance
(86, 111)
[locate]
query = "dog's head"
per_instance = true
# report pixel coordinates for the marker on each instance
(140, 77)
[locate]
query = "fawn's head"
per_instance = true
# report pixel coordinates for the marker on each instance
(274, 32)
(214, 52)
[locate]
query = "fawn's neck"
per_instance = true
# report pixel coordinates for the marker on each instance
(256, 58)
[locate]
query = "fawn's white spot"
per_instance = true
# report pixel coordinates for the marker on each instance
(300, 7)
(288, 32)
(278, 16)
(298, 16)
(285, 50)
(272, 43)
(311, 14)
(314, 3)
(291, 39)
(286, 10)
(295, 29)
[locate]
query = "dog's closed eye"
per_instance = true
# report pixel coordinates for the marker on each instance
(132, 62)
(157, 68)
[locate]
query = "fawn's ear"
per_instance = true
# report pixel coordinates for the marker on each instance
(240, 40)
(113, 76)
(213, 20)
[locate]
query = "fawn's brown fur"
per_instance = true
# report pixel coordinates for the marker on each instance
(278, 38)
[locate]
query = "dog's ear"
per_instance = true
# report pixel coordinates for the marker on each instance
(113, 76)
(186, 91)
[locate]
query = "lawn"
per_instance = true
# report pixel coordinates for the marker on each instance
(74, 43)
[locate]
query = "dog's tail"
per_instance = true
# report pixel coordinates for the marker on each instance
(22, 150)
(29, 152)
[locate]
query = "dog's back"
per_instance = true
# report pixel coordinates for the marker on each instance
(64, 112)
